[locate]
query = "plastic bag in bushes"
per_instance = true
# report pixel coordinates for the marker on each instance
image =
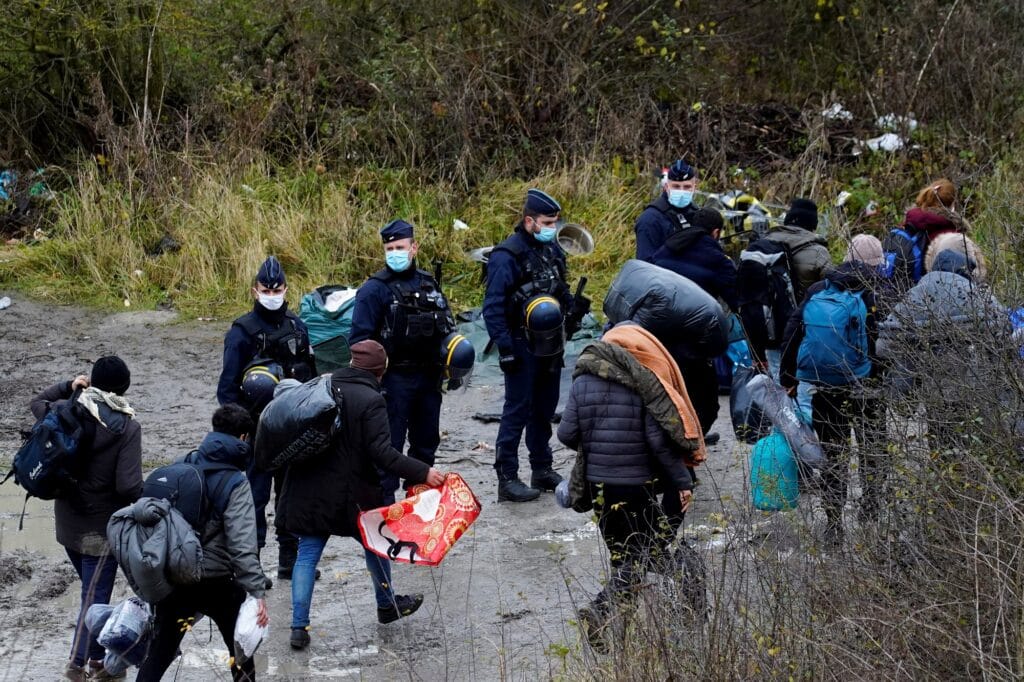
(683, 316)
(126, 632)
(248, 632)
(297, 424)
(748, 421)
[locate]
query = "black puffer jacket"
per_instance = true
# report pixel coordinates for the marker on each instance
(623, 443)
(111, 479)
(324, 495)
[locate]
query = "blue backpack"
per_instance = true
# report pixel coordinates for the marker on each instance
(834, 351)
(49, 462)
(904, 256)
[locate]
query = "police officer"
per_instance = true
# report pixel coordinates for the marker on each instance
(403, 309)
(269, 332)
(526, 273)
(672, 210)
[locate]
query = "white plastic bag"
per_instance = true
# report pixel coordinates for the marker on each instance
(248, 632)
(782, 411)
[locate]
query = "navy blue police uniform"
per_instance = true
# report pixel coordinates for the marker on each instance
(263, 335)
(409, 316)
(660, 218)
(519, 269)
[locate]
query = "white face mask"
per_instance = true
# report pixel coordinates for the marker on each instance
(270, 302)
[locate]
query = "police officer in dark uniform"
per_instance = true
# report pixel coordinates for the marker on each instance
(672, 210)
(526, 275)
(268, 333)
(403, 309)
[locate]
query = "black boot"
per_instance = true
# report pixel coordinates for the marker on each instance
(287, 551)
(514, 490)
(545, 479)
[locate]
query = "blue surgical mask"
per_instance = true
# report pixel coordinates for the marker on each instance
(398, 260)
(546, 234)
(680, 198)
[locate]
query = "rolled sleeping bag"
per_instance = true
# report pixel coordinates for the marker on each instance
(684, 317)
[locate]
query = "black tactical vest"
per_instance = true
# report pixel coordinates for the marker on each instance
(416, 321)
(288, 345)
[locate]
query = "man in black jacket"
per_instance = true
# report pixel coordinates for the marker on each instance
(323, 496)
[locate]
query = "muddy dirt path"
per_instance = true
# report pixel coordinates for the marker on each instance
(502, 605)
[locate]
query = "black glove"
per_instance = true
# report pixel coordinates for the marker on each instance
(508, 362)
(574, 320)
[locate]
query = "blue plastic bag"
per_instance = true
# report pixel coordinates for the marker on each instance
(774, 474)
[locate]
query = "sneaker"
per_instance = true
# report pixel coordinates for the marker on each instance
(300, 638)
(516, 491)
(76, 673)
(98, 672)
(545, 479)
(405, 605)
(286, 574)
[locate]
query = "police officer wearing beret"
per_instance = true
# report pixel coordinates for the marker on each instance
(269, 332)
(403, 309)
(526, 274)
(671, 211)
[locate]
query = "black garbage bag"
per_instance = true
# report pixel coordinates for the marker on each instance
(749, 423)
(298, 424)
(675, 309)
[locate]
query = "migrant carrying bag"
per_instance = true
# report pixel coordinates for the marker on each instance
(126, 630)
(249, 634)
(298, 424)
(421, 528)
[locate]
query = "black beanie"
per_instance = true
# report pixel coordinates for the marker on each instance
(110, 374)
(802, 213)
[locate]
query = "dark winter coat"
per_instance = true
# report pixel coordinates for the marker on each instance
(324, 495)
(697, 256)
(623, 443)
(229, 539)
(111, 479)
(240, 349)
(659, 220)
(852, 276)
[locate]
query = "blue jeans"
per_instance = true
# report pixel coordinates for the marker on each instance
(97, 575)
(311, 547)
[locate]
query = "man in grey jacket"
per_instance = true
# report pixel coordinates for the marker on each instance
(231, 568)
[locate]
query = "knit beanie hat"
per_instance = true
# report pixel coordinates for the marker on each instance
(866, 249)
(802, 213)
(110, 374)
(371, 356)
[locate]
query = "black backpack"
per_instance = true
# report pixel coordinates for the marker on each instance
(197, 491)
(904, 253)
(766, 292)
(50, 460)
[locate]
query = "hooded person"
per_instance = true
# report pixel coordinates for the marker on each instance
(270, 332)
(323, 496)
(671, 211)
(403, 308)
(230, 559)
(629, 416)
(111, 479)
(808, 251)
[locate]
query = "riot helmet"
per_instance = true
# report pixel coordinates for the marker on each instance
(258, 384)
(457, 357)
(544, 325)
